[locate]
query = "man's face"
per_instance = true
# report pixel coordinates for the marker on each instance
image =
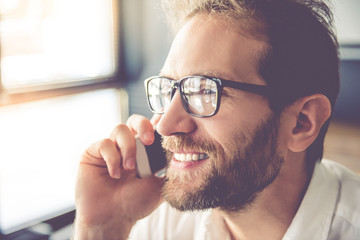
(225, 160)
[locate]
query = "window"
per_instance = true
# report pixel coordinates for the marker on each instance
(59, 49)
(346, 18)
(45, 43)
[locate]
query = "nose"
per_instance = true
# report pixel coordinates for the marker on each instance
(175, 120)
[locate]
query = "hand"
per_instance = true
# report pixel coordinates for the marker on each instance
(109, 197)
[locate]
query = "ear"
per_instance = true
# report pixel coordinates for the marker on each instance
(311, 113)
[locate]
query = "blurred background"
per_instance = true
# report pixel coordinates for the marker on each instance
(70, 70)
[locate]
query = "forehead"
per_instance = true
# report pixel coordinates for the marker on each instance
(210, 44)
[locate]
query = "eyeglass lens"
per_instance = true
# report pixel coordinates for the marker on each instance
(199, 95)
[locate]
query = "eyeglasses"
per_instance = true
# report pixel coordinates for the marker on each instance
(200, 95)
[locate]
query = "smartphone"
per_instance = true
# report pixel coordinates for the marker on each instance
(150, 159)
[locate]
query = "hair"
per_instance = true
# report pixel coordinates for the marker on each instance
(302, 54)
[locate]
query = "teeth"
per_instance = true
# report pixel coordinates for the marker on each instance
(187, 157)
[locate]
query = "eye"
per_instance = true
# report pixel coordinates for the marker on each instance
(207, 92)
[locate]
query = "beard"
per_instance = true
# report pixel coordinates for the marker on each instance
(230, 181)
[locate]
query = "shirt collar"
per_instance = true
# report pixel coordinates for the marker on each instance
(314, 216)
(215, 227)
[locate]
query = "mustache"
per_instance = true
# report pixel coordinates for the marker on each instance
(184, 142)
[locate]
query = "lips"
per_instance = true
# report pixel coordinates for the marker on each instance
(190, 157)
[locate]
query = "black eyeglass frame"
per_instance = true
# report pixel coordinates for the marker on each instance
(261, 90)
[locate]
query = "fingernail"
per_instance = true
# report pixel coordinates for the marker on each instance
(148, 136)
(130, 163)
(117, 173)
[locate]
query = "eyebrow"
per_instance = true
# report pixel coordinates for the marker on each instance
(217, 75)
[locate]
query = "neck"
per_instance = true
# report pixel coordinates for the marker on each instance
(272, 212)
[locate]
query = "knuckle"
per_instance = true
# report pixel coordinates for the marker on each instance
(120, 128)
(106, 142)
(136, 121)
(133, 117)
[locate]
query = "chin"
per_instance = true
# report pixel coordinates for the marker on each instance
(183, 189)
(187, 180)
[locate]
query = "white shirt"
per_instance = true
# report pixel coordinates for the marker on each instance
(330, 210)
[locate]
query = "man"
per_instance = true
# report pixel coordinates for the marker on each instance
(243, 103)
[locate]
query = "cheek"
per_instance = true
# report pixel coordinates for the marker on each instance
(235, 122)
(228, 134)
(243, 113)
(229, 123)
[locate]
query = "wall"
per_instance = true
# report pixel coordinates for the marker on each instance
(146, 45)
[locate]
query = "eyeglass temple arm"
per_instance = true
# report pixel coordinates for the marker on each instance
(253, 88)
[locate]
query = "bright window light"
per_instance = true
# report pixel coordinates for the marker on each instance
(55, 41)
(41, 146)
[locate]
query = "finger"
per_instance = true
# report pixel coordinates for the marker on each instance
(104, 153)
(155, 119)
(125, 141)
(142, 127)
(111, 156)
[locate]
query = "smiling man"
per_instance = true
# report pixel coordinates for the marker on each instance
(243, 103)
(236, 148)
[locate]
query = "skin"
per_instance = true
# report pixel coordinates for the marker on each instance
(209, 46)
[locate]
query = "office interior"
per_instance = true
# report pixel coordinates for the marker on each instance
(48, 115)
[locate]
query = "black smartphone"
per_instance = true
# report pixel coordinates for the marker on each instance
(150, 159)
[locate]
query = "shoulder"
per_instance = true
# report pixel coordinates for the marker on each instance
(348, 180)
(349, 186)
(346, 219)
(330, 208)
